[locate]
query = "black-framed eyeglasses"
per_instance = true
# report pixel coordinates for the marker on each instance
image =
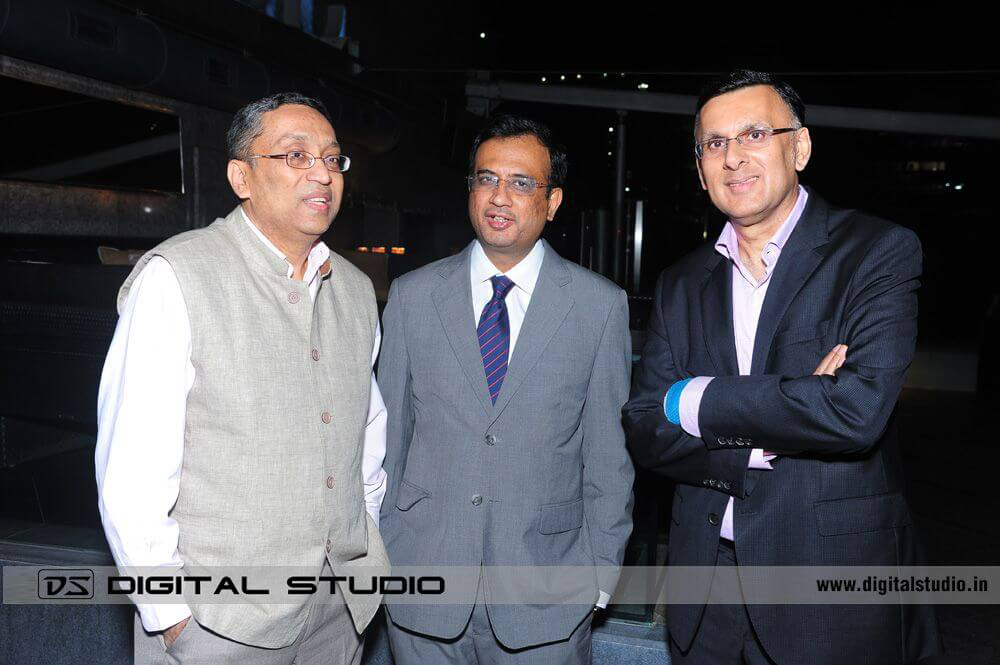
(299, 159)
(753, 138)
(520, 185)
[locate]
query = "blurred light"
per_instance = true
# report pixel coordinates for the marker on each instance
(626, 189)
(609, 153)
(362, 249)
(147, 209)
(957, 187)
(947, 184)
(543, 79)
(611, 129)
(398, 250)
(482, 35)
(605, 75)
(579, 76)
(562, 77)
(643, 86)
(378, 250)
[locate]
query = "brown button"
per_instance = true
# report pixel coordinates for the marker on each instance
(329, 545)
(329, 482)
(293, 297)
(326, 417)
(315, 354)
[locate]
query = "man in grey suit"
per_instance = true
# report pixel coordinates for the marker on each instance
(504, 370)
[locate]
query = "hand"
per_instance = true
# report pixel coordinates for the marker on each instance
(832, 361)
(172, 633)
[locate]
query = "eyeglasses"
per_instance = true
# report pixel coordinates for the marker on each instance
(299, 159)
(748, 138)
(520, 185)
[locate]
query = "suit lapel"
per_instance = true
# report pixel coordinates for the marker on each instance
(799, 258)
(717, 315)
(551, 301)
(453, 301)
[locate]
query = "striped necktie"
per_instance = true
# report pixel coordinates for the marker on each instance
(494, 335)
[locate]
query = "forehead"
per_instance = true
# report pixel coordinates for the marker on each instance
(743, 108)
(296, 120)
(524, 155)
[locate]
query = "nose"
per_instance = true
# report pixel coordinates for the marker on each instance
(500, 197)
(735, 155)
(319, 173)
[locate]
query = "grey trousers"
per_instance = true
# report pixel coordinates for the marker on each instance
(478, 645)
(328, 638)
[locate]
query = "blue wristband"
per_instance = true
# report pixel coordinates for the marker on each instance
(672, 401)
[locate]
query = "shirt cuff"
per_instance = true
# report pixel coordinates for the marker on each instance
(602, 600)
(690, 404)
(156, 618)
(758, 460)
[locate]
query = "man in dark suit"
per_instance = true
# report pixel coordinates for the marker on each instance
(504, 370)
(767, 385)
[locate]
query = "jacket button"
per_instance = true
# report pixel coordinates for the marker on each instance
(329, 546)
(476, 500)
(315, 354)
(713, 519)
(326, 417)
(329, 482)
(293, 297)
(491, 440)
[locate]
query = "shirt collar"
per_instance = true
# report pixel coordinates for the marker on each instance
(318, 260)
(728, 243)
(524, 274)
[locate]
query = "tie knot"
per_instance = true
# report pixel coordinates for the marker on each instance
(501, 286)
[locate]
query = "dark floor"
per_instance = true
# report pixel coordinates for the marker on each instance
(951, 455)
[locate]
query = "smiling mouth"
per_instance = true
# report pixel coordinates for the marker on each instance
(318, 203)
(499, 222)
(742, 185)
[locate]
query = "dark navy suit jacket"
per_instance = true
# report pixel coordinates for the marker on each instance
(835, 494)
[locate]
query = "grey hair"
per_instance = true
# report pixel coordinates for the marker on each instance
(247, 125)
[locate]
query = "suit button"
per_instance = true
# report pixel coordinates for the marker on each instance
(329, 482)
(476, 500)
(713, 519)
(326, 417)
(293, 297)
(315, 354)
(329, 546)
(491, 440)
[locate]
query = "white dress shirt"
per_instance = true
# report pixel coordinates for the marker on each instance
(141, 419)
(524, 275)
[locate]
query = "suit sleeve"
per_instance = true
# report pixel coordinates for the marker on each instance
(655, 442)
(394, 382)
(846, 413)
(607, 469)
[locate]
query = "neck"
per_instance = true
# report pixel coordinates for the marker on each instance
(503, 261)
(754, 234)
(294, 249)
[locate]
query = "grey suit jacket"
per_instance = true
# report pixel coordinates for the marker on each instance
(548, 460)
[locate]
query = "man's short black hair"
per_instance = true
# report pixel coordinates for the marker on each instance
(744, 78)
(508, 126)
(247, 123)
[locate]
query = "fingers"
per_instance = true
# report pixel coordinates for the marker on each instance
(832, 361)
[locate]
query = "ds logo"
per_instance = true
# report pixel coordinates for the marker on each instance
(73, 583)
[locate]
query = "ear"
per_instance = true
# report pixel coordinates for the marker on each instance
(803, 148)
(555, 200)
(236, 172)
(701, 176)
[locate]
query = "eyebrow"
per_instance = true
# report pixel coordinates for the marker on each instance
(302, 138)
(749, 125)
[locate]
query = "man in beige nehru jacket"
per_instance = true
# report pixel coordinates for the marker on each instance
(239, 420)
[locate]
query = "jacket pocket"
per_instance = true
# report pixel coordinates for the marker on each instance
(861, 514)
(560, 517)
(409, 494)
